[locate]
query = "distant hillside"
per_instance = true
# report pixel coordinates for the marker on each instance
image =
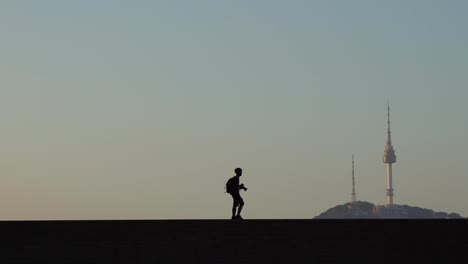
(366, 210)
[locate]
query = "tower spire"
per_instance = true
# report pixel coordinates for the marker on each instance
(389, 133)
(389, 158)
(353, 194)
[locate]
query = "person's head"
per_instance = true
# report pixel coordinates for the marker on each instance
(238, 171)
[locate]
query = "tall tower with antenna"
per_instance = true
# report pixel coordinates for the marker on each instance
(353, 193)
(389, 158)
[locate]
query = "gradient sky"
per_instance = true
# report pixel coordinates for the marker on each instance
(142, 109)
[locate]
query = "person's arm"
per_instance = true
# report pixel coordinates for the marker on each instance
(241, 186)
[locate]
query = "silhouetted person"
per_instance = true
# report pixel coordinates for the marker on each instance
(233, 188)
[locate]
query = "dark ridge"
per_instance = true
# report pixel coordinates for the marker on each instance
(234, 241)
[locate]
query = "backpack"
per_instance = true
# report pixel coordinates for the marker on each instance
(231, 185)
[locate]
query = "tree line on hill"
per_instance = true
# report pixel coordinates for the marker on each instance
(366, 210)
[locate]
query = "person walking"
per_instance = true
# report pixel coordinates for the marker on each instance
(233, 188)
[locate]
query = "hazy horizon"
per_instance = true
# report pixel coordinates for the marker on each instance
(142, 109)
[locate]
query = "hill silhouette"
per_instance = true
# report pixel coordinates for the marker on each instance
(366, 210)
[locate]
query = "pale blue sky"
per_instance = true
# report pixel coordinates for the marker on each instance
(142, 109)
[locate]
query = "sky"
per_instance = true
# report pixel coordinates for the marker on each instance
(143, 109)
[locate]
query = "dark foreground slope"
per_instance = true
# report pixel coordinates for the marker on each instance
(226, 241)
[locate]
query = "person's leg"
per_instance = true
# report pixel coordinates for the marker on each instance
(234, 205)
(233, 211)
(241, 205)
